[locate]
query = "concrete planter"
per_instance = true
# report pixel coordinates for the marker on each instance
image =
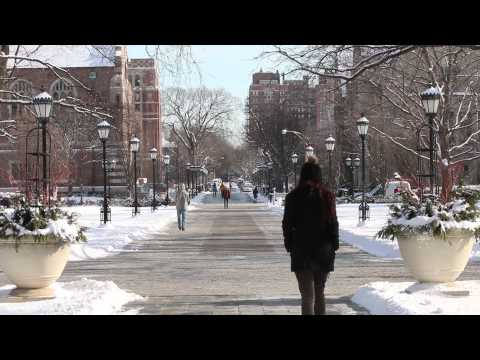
(33, 265)
(432, 259)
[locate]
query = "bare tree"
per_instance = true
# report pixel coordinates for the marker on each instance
(193, 114)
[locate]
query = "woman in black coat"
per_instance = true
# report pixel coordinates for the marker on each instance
(310, 230)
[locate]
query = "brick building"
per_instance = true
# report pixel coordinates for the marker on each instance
(128, 89)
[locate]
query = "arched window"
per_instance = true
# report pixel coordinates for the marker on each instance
(137, 80)
(21, 87)
(61, 89)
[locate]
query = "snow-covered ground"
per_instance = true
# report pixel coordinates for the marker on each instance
(409, 298)
(81, 297)
(104, 240)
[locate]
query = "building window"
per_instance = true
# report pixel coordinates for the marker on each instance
(62, 89)
(117, 99)
(137, 107)
(23, 88)
(137, 80)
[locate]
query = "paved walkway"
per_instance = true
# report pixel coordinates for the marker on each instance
(229, 262)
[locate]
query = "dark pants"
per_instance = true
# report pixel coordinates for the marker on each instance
(312, 285)
(225, 203)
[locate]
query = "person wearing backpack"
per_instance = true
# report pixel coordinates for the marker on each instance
(310, 230)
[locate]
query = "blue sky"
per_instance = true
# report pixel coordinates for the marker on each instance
(222, 66)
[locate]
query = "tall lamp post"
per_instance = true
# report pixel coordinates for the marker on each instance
(134, 146)
(362, 126)
(42, 105)
(103, 129)
(166, 161)
(270, 170)
(330, 146)
(294, 162)
(430, 101)
(153, 157)
(111, 168)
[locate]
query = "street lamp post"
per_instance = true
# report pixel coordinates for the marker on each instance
(153, 156)
(42, 105)
(166, 161)
(330, 146)
(111, 168)
(134, 146)
(308, 152)
(103, 129)
(362, 126)
(430, 101)
(294, 162)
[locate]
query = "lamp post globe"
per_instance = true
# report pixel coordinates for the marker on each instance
(284, 131)
(294, 158)
(103, 129)
(308, 151)
(348, 161)
(356, 162)
(42, 105)
(430, 100)
(362, 126)
(330, 144)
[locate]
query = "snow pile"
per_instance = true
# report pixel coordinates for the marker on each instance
(104, 240)
(199, 199)
(81, 297)
(410, 298)
(363, 235)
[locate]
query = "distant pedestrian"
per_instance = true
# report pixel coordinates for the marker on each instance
(214, 188)
(255, 193)
(226, 197)
(182, 200)
(310, 230)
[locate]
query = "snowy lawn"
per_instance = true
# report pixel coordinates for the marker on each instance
(409, 298)
(105, 240)
(81, 297)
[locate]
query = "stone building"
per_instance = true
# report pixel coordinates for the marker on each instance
(128, 89)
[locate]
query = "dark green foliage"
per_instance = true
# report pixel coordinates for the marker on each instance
(433, 208)
(32, 219)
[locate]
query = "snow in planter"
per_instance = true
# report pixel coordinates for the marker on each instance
(433, 217)
(43, 224)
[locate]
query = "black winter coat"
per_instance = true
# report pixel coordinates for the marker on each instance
(310, 229)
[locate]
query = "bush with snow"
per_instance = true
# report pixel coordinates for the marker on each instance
(434, 217)
(40, 223)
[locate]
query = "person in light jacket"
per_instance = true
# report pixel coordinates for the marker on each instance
(182, 200)
(310, 230)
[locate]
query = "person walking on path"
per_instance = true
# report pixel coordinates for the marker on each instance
(310, 230)
(182, 200)
(214, 188)
(255, 193)
(226, 197)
